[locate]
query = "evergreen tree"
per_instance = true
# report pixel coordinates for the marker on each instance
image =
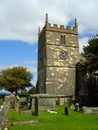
(91, 55)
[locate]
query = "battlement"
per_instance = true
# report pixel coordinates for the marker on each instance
(61, 28)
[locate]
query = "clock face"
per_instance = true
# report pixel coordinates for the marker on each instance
(63, 55)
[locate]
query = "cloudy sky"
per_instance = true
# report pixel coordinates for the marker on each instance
(20, 19)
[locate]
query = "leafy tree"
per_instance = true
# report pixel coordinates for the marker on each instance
(32, 90)
(16, 78)
(91, 55)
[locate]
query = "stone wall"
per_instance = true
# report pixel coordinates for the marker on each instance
(60, 81)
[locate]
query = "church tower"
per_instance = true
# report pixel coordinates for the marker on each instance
(58, 53)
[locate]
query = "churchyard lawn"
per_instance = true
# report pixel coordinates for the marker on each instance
(59, 121)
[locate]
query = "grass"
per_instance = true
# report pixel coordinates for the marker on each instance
(59, 121)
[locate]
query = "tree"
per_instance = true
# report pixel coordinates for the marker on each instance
(16, 78)
(32, 90)
(91, 54)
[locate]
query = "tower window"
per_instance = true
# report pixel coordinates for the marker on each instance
(63, 40)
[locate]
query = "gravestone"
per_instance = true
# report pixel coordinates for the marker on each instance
(72, 107)
(10, 100)
(17, 102)
(89, 110)
(77, 107)
(66, 111)
(36, 106)
(3, 112)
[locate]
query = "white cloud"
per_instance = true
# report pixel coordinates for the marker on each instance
(83, 42)
(30, 62)
(32, 69)
(3, 66)
(19, 19)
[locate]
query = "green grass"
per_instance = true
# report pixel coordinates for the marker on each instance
(59, 121)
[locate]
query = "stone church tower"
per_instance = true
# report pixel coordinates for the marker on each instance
(58, 53)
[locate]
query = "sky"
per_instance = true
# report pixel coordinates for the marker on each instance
(20, 19)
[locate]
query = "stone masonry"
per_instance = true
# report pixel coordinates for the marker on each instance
(58, 54)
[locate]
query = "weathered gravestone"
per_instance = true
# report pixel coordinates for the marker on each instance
(89, 110)
(3, 112)
(72, 107)
(77, 107)
(12, 101)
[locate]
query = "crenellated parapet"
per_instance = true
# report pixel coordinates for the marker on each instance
(61, 28)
